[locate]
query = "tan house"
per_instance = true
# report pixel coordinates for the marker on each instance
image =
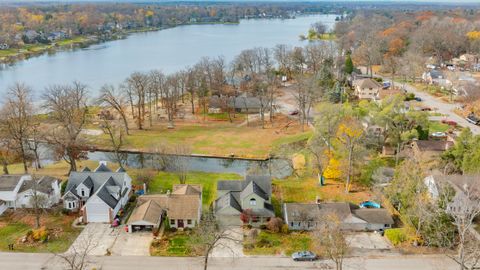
(366, 88)
(430, 148)
(182, 208)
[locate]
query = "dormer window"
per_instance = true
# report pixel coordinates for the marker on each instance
(83, 192)
(253, 201)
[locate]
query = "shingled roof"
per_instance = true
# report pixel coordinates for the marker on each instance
(149, 211)
(9, 182)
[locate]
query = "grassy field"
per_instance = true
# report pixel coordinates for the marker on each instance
(268, 243)
(172, 244)
(164, 181)
(13, 227)
(307, 189)
(218, 138)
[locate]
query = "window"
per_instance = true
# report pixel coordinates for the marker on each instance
(189, 221)
(253, 201)
(172, 221)
(83, 192)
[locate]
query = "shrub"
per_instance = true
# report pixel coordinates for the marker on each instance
(39, 234)
(284, 228)
(263, 227)
(275, 224)
(396, 236)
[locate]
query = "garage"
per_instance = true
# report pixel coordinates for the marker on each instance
(97, 211)
(146, 217)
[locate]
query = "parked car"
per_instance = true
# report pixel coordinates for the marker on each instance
(426, 109)
(419, 99)
(304, 256)
(473, 119)
(294, 112)
(449, 122)
(439, 134)
(369, 204)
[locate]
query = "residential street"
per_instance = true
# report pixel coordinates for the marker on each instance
(23, 261)
(442, 107)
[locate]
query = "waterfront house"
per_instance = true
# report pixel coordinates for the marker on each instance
(307, 216)
(99, 194)
(16, 191)
(251, 197)
(182, 208)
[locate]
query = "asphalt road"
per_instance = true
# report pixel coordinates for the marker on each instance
(31, 261)
(442, 107)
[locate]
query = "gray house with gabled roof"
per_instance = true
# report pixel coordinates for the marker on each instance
(98, 194)
(251, 196)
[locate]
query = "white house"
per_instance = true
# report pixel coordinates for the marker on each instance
(46, 186)
(9, 187)
(16, 191)
(98, 194)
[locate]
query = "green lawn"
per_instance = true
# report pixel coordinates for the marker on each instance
(306, 189)
(59, 226)
(435, 126)
(164, 181)
(268, 243)
(219, 138)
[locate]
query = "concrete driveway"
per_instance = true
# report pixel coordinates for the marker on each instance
(97, 238)
(230, 248)
(366, 240)
(132, 244)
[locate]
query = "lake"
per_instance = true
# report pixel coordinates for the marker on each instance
(169, 50)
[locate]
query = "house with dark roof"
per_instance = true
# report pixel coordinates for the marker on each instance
(251, 196)
(182, 207)
(98, 194)
(240, 104)
(307, 216)
(429, 149)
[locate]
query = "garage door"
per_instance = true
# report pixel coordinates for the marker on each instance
(229, 221)
(97, 212)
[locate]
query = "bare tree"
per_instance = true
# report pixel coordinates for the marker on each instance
(209, 235)
(173, 158)
(77, 256)
(17, 113)
(38, 200)
(464, 208)
(67, 105)
(330, 239)
(117, 139)
(117, 100)
(136, 87)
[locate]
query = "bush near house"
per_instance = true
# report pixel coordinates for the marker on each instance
(396, 236)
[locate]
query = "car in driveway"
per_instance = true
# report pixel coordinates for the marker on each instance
(294, 112)
(304, 256)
